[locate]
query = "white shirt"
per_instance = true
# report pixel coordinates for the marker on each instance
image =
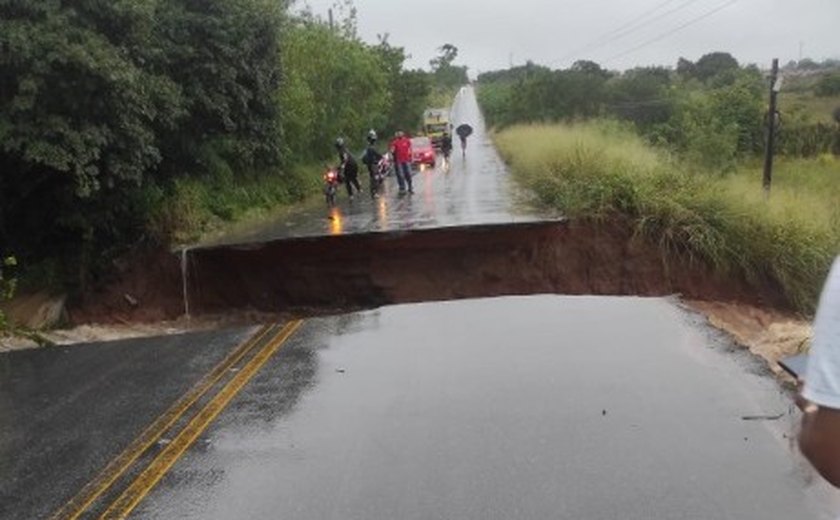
(822, 381)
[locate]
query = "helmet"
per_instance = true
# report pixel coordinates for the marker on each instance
(371, 136)
(339, 142)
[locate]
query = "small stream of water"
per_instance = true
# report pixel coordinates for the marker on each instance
(185, 280)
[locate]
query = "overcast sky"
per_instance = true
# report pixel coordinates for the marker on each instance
(619, 34)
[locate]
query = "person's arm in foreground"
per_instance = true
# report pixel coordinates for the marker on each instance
(819, 439)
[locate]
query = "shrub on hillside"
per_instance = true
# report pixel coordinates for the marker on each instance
(828, 85)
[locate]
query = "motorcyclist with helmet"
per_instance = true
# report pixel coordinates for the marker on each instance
(371, 159)
(348, 169)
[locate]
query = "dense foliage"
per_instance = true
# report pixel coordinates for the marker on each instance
(712, 110)
(122, 119)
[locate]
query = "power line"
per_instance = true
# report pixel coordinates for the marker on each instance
(649, 12)
(664, 35)
(615, 30)
(629, 27)
(678, 8)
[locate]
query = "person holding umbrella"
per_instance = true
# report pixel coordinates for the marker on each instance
(463, 132)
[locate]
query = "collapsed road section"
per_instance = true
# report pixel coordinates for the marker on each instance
(331, 274)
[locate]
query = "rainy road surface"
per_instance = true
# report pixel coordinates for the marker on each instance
(521, 407)
(473, 190)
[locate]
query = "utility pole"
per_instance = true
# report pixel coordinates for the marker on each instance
(775, 87)
(330, 13)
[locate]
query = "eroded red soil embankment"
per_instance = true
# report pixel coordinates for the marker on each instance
(365, 271)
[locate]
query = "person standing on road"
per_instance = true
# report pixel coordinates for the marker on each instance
(347, 167)
(371, 160)
(446, 147)
(819, 439)
(401, 148)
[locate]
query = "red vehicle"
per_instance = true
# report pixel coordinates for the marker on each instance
(422, 151)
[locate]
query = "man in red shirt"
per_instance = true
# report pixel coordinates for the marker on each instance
(401, 149)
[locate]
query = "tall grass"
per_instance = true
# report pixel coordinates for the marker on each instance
(813, 108)
(600, 170)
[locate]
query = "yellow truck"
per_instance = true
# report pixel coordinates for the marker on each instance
(435, 123)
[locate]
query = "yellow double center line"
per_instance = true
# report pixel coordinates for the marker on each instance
(144, 483)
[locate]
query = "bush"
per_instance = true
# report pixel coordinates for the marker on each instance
(828, 85)
(188, 207)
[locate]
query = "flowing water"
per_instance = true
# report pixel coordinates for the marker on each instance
(185, 280)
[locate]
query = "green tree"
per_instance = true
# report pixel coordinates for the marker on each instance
(75, 103)
(447, 75)
(715, 64)
(80, 112)
(642, 95)
(409, 88)
(224, 57)
(448, 54)
(589, 68)
(686, 68)
(495, 100)
(98, 98)
(344, 92)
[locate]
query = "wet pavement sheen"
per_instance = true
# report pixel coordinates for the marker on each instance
(528, 407)
(66, 412)
(473, 190)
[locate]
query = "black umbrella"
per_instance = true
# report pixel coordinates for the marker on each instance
(464, 130)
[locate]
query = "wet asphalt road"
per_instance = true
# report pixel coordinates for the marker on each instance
(65, 412)
(525, 407)
(522, 407)
(473, 190)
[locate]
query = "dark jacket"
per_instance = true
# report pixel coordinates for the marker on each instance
(371, 158)
(347, 164)
(446, 144)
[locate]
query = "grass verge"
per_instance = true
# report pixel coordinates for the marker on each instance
(600, 170)
(191, 207)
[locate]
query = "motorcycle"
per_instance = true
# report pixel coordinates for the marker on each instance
(331, 182)
(382, 170)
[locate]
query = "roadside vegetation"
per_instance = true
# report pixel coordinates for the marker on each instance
(126, 124)
(679, 158)
(8, 284)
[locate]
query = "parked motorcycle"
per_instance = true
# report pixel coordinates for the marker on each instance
(331, 182)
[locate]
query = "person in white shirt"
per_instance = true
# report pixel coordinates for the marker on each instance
(819, 439)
